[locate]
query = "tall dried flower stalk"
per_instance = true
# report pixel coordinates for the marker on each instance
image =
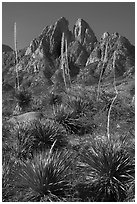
(16, 56)
(64, 62)
(114, 83)
(104, 61)
(62, 59)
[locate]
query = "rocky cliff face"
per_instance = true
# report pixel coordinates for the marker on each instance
(80, 42)
(84, 34)
(40, 61)
(50, 39)
(103, 55)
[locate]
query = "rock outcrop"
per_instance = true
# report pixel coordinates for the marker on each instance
(26, 117)
(50, 39)
(47, 47)
(103, 55)
(84, 34)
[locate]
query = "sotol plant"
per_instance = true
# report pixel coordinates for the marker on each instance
(23, 98)
(8, 188)
(47, 133)
(79, 106)
(109, 172)
(19, 141)
(26, 138)
(69, 121)
(46, 177)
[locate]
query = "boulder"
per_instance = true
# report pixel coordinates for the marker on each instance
(26, 117)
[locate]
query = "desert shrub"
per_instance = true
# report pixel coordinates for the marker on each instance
(23, 98)
(65, 119)
(45, 178)
(46, 134)
(26, 138)
(72, 122)
(108, 170)
(79, 106)
(8, 172)
(19, 142)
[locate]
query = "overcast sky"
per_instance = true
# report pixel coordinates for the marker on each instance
(32, 17)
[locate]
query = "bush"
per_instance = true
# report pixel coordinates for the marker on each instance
(19, 141)
(46, 134)
(108, 170)
(26, 138)
(23, 98)
(79, 106)
(8, 172)
(72, 122)
(46, 177)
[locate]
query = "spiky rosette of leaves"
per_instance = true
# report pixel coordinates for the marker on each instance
(79, 106)
(23, 98)
(20, 141)
(47, 177)
(46, 133)
(26, 138)
(67, 120)
(109, 171)
(74, 124)
(8, 171)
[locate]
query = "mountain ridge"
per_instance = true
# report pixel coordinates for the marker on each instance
(43, 55)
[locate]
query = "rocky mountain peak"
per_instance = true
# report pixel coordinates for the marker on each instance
(102, 57)
(50, 38)
(84, 34)
(105, 35)
(63, 23)
(85, 54)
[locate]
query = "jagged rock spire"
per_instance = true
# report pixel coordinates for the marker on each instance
(84, 34)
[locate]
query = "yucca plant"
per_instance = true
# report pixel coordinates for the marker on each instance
(8, 171)
(47, 177)
(20, 141)
(68, 120)
(23, 97)
(26, 138)
(72, 122)
(79, 106)
(109, 170)
(45, 134)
